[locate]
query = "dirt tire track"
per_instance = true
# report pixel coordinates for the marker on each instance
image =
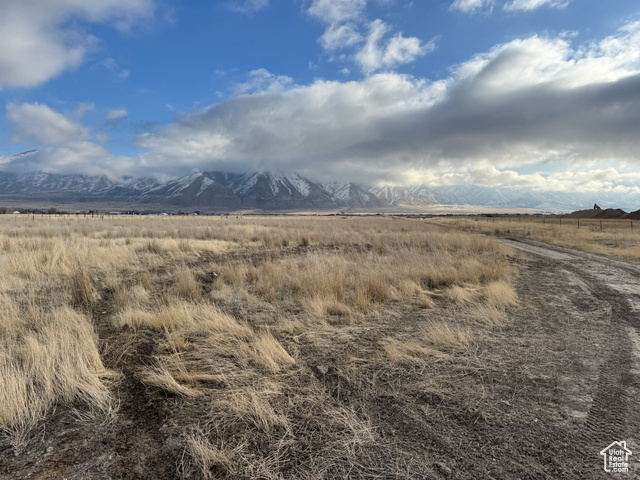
(612, 415)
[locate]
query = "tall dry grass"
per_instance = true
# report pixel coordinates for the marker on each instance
(611, 236)
(234, 306)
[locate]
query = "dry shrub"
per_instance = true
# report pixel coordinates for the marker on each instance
(462, 294)
(121, 298)
(406, 352)
(254, 408)
(318, 307)
(200, 319)
(270, 279)
(159, 376)
(425, 301)
(11, 322)
(376, 288)
(146, 280)
(82, 291)
(269, 354)
(200, 453)
(186, 285)
(500, 293)
(134, 317)
(372, 289)
(319, 275)
(184, 245)
(153, 246)
(56, 361)
(442, 334)
(489, 315)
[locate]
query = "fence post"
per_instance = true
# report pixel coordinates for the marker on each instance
(600, 225)
(578, 223)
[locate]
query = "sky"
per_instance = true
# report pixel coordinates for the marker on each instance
(543, 94)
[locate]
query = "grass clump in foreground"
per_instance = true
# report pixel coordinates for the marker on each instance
(265, 339)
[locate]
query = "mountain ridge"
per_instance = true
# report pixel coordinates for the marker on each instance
(268, 190)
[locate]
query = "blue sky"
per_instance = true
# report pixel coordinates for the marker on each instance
(537, 93)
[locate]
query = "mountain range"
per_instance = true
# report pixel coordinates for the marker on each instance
(278, 191)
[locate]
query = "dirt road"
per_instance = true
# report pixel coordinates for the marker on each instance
(588, 314)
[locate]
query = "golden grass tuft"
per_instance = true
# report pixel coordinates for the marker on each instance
(56, 361)
(82, 291)
(205, 457)
(500, 293)
(406, 352)
(186, 285)
(269, 354)
(159, 376)
(253, 407)
(441, 334)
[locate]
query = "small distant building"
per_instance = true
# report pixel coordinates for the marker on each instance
(16, 212)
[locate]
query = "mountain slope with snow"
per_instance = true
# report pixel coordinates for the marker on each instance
(278, 191)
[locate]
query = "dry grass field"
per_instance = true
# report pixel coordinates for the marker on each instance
(233, 347)
(608, 236)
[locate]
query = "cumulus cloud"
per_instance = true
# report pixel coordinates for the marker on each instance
(525, 102)
(397, 51)
(38, 39)
(469, 6)
(345, 20)
(37, 123)
(262, 80)
(337, 37)
(473, 6)
(533, 4)
(115, 116)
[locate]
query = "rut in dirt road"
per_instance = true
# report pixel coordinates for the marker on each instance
(612, 289)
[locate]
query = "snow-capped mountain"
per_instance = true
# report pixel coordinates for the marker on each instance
(39, 182)
(278, 191)
(252, 190)
(418, 195)
(354, 195)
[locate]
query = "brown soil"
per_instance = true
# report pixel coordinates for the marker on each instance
(536, 398)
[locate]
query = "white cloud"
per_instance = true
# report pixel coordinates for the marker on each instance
(399, 50)
(262, 80)
(338, 37)
(38, 41)
(516, 108)
(116, 115)
(473, 6)
(35, 122)
(248, 7)
(75, 157)
(337, 11)
(469, 6)
(526, 102)
(346, 18)
(533, 4)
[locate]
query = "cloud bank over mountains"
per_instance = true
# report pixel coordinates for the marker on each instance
(539, 111)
